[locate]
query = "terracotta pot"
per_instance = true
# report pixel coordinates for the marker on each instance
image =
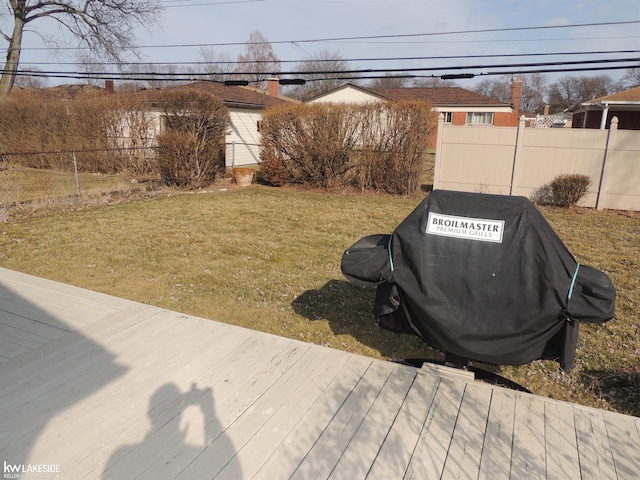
(243, 176)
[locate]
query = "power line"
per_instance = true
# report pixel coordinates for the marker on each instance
(461, 32)
(368, 37)
(349, 71)
(371, 59)
(515, 69)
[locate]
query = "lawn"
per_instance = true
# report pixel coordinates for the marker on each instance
(269, 259)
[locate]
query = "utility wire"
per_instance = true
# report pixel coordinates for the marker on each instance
(365, 59)
(350, 71)
(368, 37)
(331, 76)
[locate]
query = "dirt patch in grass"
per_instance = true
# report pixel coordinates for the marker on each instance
(269, 259)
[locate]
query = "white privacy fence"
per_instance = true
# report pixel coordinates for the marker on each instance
(520, 161)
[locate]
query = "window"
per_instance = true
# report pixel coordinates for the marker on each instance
(480, 118)
(448, 117)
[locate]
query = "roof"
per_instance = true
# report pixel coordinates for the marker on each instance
(631, 96)
(60, 92)
(438, 96)
(231, 96)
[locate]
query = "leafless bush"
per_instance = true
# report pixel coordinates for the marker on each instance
(309, 144)
(375, 146)
(395, 140)
(569, 189)
(39, 134)
(129, 125)
(94, 132)
(190, 151)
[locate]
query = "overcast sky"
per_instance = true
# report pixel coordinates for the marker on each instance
(296, 29)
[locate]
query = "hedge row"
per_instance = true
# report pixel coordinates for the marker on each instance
(379, 146)
(118, 134)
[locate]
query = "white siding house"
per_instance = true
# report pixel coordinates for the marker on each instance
(350, 94)
(245, 106)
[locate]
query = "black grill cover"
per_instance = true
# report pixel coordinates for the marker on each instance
(483, 277)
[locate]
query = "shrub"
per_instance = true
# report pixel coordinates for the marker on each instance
(46, 133)
(191, 150)
(129, 126)
(309, 144)
(379, 146)
(568, 189)
(396, 137)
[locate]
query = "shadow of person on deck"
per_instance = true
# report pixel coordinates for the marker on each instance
(30, 327)
(168, 449)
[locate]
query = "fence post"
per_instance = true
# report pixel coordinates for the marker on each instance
(611, 141)
(75, 169)
(438, 162)
(517, 155)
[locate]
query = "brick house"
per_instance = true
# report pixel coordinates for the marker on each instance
(458, 105)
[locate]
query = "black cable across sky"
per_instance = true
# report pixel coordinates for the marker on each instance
(366, 37)
(362, 74)
(373, 59)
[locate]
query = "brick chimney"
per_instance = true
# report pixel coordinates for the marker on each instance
(274, 87)
(516, 98)
(108, 86)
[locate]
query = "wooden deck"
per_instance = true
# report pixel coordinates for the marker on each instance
(100, 387)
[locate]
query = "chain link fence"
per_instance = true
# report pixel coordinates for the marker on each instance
(26, 189)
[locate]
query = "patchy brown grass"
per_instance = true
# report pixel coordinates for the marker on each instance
(269, 259)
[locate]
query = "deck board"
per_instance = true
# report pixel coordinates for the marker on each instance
(361, 452)
(496, 449)
(270, 436)
(441, 399)
(561, 442)
(463, 458)
(109, 388)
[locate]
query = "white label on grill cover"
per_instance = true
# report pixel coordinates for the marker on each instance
(479, 229)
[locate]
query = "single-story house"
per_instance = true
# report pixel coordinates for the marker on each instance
(459, 106)
(597, 113)
(245, 105)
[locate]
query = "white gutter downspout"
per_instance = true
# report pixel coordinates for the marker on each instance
(605, 113)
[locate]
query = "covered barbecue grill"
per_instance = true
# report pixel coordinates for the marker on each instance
(481, 277)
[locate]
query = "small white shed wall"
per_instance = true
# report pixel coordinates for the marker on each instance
(243, 139)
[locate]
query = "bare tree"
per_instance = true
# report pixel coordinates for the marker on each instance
(570, 91)
(433, 82)
(534, 87)
(105, 27)
(157, 75)
(216, 64)
(533, 90)
(498, 88)
(318, 73)
(630, 79)
(34, 78)
(258, 62)
(389, 81)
